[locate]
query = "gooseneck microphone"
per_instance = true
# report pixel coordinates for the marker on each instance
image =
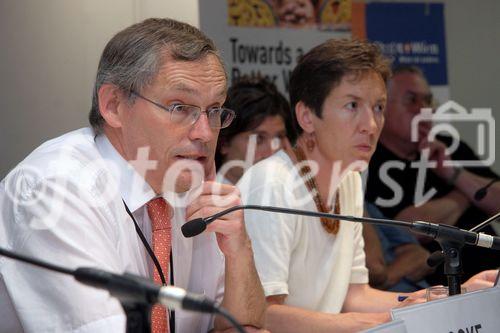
(132, 291)
(434, 230)
(436, 258)
(127, 287)
(197, 226)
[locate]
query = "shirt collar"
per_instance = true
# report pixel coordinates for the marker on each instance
(135, 191)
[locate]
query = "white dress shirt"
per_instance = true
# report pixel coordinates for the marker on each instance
(63, 204)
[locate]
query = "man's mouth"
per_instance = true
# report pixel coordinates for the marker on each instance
(199, 158)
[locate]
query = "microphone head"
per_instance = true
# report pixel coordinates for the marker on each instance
(193, 227)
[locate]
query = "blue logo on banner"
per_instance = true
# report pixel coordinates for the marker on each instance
(411, 34)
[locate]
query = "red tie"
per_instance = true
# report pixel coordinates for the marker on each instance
(160, 213)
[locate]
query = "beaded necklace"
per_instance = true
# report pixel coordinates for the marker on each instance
(330, 225)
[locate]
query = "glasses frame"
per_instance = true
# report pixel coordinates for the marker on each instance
(171, 108)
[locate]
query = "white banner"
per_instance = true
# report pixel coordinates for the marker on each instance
(259, 38)
(475, 312)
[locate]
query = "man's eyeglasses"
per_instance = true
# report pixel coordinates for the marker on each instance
(412, 98)
(187, 115)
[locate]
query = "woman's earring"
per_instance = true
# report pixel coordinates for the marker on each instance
(310, 142)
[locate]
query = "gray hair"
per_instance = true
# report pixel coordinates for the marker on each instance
(132, 58)
(413, 69)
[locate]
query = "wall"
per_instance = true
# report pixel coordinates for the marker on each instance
(473, 32)
(50, 51)
(49, 57)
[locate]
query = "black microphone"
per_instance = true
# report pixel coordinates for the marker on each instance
(128, 287)
(197, 226)
(133, 289)
(483, 191)
(434, 230)
(436, 258)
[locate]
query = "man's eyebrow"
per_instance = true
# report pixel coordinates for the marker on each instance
(185, 88)
(416, 93)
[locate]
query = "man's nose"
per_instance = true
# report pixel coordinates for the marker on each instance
(201, 129)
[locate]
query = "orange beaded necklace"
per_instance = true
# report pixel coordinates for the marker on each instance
(331, 226)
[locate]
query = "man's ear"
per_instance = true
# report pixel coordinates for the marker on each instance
(304, 116)
(110, 99)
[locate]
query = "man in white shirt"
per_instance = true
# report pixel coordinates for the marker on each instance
(156, 113)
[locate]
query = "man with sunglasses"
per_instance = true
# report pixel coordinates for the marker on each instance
(115, 195)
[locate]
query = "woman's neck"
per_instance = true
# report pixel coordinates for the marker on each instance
(325, 171)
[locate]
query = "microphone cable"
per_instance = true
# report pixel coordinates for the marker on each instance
(483, 191)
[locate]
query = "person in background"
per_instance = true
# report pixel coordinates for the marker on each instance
(260, 128)
(105, 196)
(313, 270)
(453, 202)
(395, 259)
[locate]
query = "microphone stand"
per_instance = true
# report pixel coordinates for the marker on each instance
(451, 239)
(452, 245)
(138, 316)
(438, 257)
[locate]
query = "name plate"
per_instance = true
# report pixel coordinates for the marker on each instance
(475, 312)
(395, 326)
